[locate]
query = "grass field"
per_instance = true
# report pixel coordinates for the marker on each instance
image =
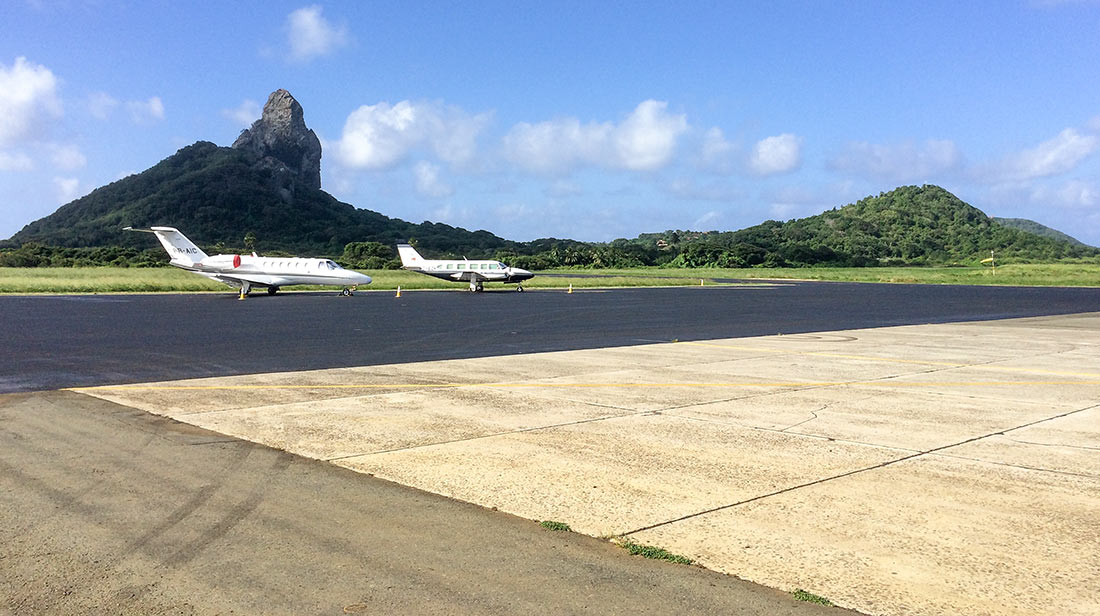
(169, 279)
(1020, 274)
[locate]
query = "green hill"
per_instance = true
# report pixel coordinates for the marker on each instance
(910, 225)
(217, 195)
(1031, 226)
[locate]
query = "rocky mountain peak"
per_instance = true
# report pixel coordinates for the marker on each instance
(283, 144)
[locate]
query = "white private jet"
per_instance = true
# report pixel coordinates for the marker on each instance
(247, 271)
(463, 270)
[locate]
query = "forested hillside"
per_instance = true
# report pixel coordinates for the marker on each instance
(217, 196)
(214, 194)
(911, 225)
(1031, 226)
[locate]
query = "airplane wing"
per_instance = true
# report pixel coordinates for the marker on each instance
(469, 275)
(260, 280)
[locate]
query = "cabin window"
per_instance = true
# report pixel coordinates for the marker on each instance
(493, 266)
(461, 266)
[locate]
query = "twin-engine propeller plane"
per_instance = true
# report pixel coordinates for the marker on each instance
(463, 270)
(247, 271)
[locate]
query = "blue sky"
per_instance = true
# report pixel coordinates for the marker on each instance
(574, 119)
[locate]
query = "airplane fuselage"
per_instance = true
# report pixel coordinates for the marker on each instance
(247, 271)
(463, 270)
(274, 271)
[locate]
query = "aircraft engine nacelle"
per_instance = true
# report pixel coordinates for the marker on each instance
(221, 262)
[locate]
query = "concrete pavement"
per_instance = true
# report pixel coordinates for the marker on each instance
(927, 469)
(111, 510)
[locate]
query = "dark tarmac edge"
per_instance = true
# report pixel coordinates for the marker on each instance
(110, 510)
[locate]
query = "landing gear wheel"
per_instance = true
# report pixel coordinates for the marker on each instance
(519, 288)
(479, 288)
(272, 290)
(346, 292)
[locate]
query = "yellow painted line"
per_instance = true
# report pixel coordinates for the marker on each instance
(154, 387)
(893, 360)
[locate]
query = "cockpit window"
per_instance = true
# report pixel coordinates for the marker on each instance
(330, 265)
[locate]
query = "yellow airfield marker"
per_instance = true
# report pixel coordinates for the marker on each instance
(570, 288)
(398, 291)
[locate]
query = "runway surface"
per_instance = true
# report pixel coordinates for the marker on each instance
(50, 342)
(117, 510)
(111, 510)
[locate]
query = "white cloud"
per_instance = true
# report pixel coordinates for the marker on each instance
(778, 154)
(428, 182)
(688, 189)
(101, 105)
(66, 189)
(28, 100)
(244, 114)
(146, 111)
(784, 211)
(17, 161)
(557, 146)
(708, 219)
(644, 141)
(800, 200)
(448, 213)
(563, 189)
(310, 35)
(1074, 194)
(717, 154)
(647, 139)
(68, 157)
(381, 136)
(769, 156)
(899, 162)
(1051, 157)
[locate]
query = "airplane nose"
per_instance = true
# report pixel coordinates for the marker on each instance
(365, 279)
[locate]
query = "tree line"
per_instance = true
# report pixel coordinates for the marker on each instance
(909, 226)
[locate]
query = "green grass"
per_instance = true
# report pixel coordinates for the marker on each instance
(557, 526)
(809, 597)
(656, 553)
(102, 280)
(1024, 274)
(170, 279)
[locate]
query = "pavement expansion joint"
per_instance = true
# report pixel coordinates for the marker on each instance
(1024, 467)
(857, 471)
(1054, 445)
(787, 432)
(478, 437)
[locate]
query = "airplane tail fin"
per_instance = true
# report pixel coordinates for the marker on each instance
(409, 256)
(182, 251)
